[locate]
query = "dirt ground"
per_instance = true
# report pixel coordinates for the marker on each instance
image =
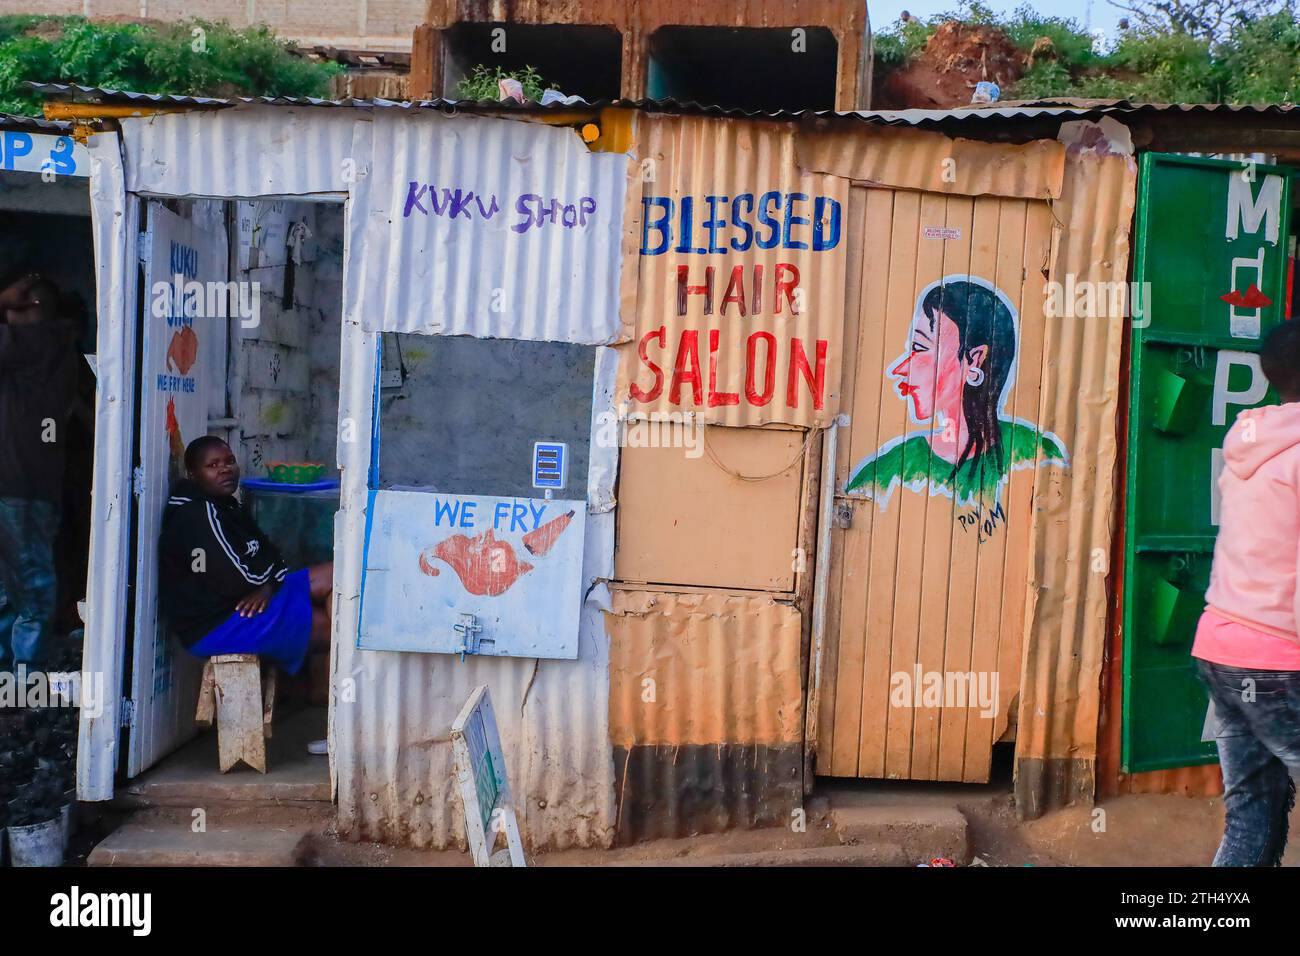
(944, 74)
(1136, 830)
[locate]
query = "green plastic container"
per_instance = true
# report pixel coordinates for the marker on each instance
(295, 472)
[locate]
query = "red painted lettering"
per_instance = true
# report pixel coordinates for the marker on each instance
(735, 291)
(683, 290)
(657, 389)
(688, 352)
(717, 398)
(785, 285)
(799, 366)
(769, 374)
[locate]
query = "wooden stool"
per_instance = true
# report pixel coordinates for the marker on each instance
(242, 701)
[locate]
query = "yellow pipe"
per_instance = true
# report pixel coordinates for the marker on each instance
(93, 111)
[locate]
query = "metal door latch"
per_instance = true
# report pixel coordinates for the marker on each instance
(469, 629)
(844, 515)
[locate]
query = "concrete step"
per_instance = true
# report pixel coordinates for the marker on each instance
(857, 854)
(236, 813)
(920, 832)
(190, 777)
(176, 844)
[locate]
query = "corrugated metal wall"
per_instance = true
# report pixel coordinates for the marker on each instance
(908, 158)
(389, 722)
(242, 152)
(706, 715)
(392, 711)
(1066, 624)
(452, 238)
(721, 744)
(684, 159)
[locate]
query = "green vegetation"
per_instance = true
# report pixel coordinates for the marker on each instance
(1254, 60)
(194, 57)
(483, 83)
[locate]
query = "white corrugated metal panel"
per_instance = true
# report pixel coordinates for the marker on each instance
(115, 224)
(241, 152)
(391, 712)
(452, 239)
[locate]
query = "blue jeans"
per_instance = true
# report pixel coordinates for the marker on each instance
(1258, 737)
(27, 580)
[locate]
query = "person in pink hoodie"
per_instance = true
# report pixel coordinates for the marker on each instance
(1247, 645)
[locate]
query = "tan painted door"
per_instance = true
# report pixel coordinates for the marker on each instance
(921, 659)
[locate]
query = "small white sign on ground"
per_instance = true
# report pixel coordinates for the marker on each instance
(480, 769)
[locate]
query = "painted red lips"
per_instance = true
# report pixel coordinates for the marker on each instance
(1252, 298)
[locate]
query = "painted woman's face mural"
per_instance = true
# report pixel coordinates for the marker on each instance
(955, 377)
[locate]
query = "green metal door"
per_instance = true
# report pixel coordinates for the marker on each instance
(1210, 269)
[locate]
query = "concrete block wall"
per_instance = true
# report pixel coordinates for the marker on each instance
(288, 364)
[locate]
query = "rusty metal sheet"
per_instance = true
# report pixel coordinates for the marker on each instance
(687, 506)
(705, 711)
(918, 159)
(1069, 571)
(740, 309)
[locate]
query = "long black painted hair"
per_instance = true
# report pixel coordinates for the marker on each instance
(982, 318)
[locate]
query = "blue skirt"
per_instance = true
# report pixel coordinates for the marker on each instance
(281, 632)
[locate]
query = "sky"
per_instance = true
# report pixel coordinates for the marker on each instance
(1095, 14)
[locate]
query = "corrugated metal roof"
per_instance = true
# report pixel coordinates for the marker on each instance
(1113, 105)
(1075, 108)
(33, 124)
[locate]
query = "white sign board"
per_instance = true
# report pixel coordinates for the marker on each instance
(456, 574)
(25, 152)
(480, 769)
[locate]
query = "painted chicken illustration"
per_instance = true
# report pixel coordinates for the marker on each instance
(484, 565)
(540, 540)
(183, 350)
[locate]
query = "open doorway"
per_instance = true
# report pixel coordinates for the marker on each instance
(582, 60)
(239, 339)
(747, 68)
(47, 395)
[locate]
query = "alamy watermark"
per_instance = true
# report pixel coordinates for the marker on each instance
(927, 689)
(208, 300)
(23, 688)
(1085, 299)
(683, 430)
